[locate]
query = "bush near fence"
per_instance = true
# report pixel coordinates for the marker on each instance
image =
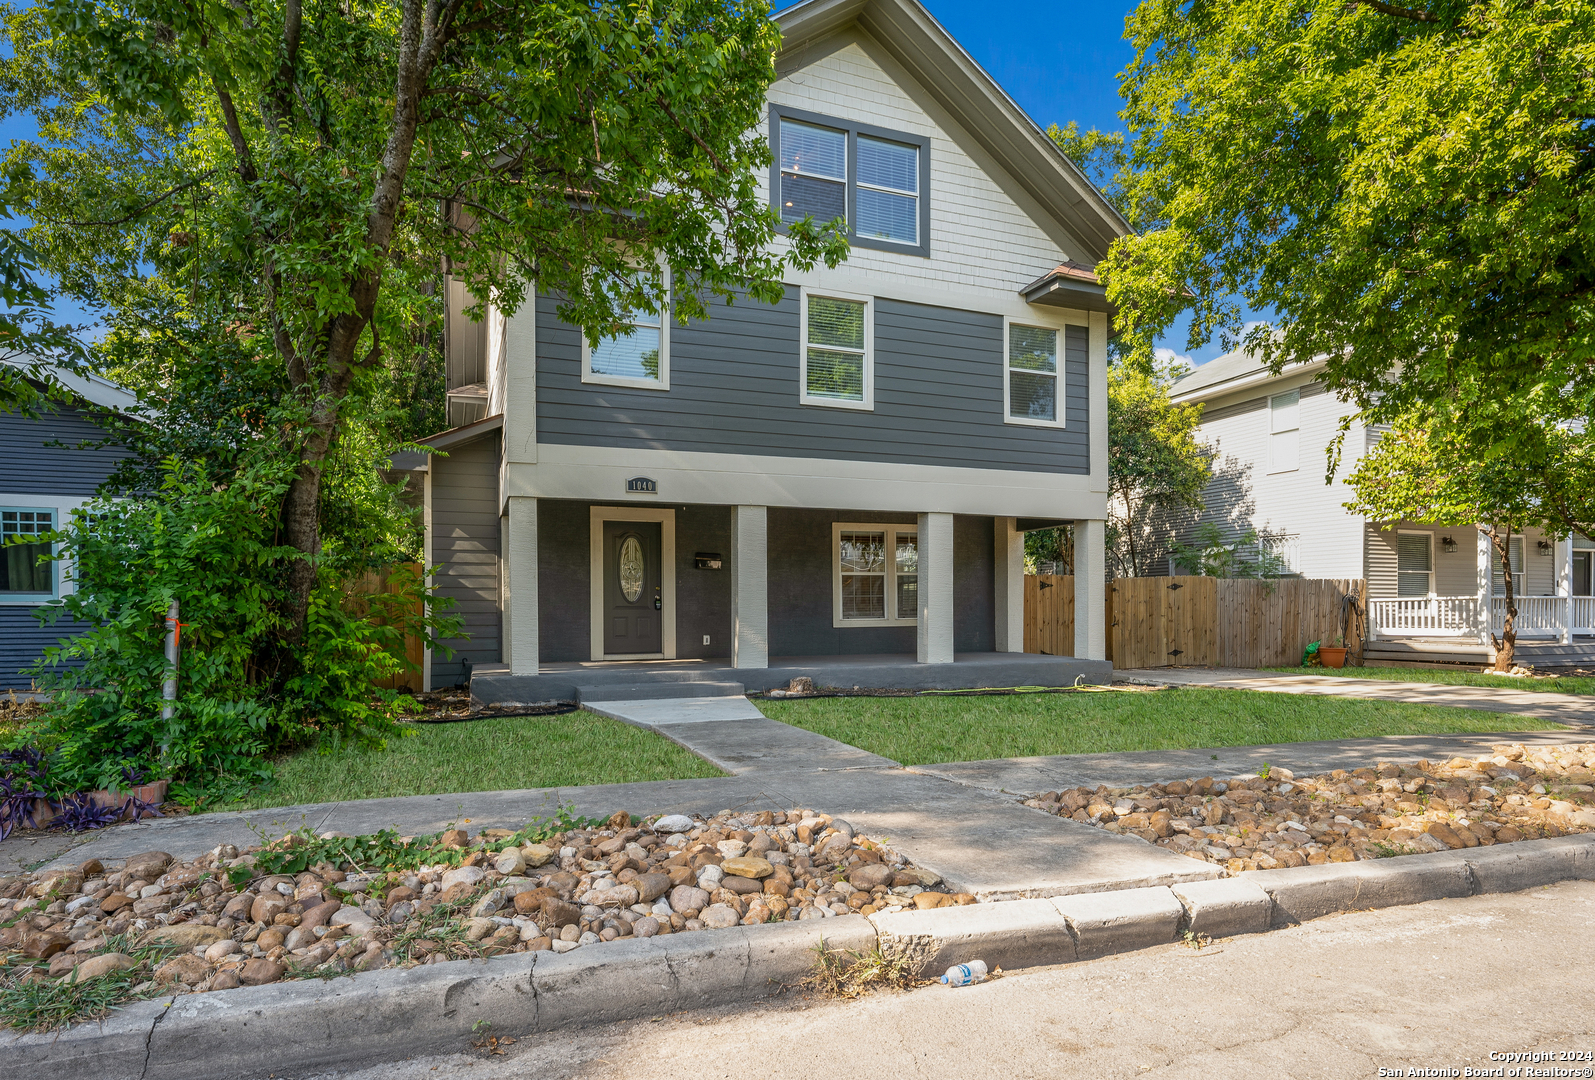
(392, 580)
(1199, 621)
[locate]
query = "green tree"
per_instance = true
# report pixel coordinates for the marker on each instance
(1157, 468)
(1417, 474)
(291, 177)
(1409, 187)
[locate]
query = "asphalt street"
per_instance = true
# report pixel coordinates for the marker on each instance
(1437, 986)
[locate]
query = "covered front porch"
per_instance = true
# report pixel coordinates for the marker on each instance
(1439, 584)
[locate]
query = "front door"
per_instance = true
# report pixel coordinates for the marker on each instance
(633, 588)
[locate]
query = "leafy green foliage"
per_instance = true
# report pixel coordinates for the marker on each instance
(1211, 553)
(1409, 188)
(212, 549)
(1156, 467)
(30, 1001)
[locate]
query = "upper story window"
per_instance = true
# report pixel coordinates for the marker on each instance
(837, 367)
(26, 570)
(1033, 376)
(876, 180)
(639, 356)
(1284, 432)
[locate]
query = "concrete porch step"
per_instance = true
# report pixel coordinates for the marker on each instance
(658, 691)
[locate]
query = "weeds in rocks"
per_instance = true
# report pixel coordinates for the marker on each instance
(32, 1001)
(847, 974)
(1192, 940)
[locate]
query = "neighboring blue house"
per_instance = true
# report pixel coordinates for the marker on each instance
(837, 485)
(40, 485)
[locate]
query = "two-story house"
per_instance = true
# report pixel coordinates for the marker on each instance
(1434, 592)
(50, 464)
(836, 485)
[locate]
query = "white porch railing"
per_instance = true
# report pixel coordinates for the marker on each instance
(1457, 616)
(1428, 616)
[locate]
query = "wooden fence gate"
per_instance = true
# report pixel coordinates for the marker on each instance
(386, 580)
(1197, 621)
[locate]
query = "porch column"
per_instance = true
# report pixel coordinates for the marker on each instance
(935, 588)
(1009, 586)
(750, 587)
(520, 587)
(1564, 585)
(1485, 582)
(1090, 590)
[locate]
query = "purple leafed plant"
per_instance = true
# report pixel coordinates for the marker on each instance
(80, 813)
(21, 787)
(141, 809)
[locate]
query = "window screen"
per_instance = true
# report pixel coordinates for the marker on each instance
(1284, 432)
(1414, 564)
(836, 349)
(24, 566)
(1032, 373)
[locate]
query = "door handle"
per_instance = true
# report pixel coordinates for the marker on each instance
(658, 603)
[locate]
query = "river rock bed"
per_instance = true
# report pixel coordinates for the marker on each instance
(186, 928)
(1280, 820)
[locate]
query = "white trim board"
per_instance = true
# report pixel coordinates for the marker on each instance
(601, 472)
(597, 515)
(62, 507)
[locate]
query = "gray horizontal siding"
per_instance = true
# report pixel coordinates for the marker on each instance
(23, 641)
(465, 549)
(734, 389)
(30, 466)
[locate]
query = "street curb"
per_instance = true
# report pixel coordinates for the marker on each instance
(437, 1008)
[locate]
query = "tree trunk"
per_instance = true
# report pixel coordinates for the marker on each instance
(1506, 644)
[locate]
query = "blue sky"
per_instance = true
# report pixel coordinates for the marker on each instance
(1058, 68)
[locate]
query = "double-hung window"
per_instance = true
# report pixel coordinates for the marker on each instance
(1414, 564)
(876, 574)
(837, 366)
(1033, 376)
(1284, 432)
(1515, 552)
(1583, 565)
(638, 356)
(875, 181)
(26, 570)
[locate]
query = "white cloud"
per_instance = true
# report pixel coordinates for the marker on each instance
(1169, 356)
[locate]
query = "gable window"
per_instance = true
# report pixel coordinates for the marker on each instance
(1515, 552)
(1284, 432)
(1032, 378)
(837, 366)
(638, 356)
(26, 571)
(1414, 564)
(876, 181)
(875, 574)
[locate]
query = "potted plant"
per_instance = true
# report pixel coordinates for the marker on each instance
(1334, 655)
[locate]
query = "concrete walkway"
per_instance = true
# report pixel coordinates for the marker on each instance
(1573, 709)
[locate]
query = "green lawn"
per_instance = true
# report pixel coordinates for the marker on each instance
(1561, 684)
(483, 755)
(926, 730)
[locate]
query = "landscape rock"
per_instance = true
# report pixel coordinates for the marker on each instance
(97, 966)
(184, 935)
(260, 972)
(674, 823)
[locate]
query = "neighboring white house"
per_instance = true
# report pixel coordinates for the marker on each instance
(1428, 586)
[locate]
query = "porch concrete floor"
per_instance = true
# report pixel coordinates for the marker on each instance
(1573, 709)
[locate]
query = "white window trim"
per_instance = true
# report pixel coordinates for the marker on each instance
(1415, 532)
(891, 531)
(661, 383)
(1276, 471)
(1007, 370)
(62, 507)
(804, 398)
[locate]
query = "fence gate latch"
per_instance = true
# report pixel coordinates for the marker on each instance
(1176, 652)
(1175, 586)
(1045, 584)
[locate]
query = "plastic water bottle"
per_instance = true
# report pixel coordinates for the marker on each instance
(965, 974)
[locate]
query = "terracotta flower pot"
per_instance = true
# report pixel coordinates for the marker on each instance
(1332, 656)
(155, 794)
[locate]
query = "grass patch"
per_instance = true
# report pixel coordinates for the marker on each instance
(926, 730)
(847, 974)
(1555, 684)
(482, 755)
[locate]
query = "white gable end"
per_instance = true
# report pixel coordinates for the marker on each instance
(981, 239)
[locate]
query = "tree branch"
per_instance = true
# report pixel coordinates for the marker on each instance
(162, 197)
(720, 168)
(1413, 14)
(235, 134)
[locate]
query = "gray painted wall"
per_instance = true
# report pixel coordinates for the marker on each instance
(800, 584)
(28, 466)
(465, 545)
(734, 389)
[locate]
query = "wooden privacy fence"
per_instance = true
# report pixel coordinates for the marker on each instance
(1197, 621)
(390, 579)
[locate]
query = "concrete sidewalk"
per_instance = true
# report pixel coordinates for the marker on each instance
(1573, 709)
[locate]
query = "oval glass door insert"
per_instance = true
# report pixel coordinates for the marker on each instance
(631, 569)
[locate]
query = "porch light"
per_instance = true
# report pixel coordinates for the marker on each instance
(1447, 544)
(1543, 547)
